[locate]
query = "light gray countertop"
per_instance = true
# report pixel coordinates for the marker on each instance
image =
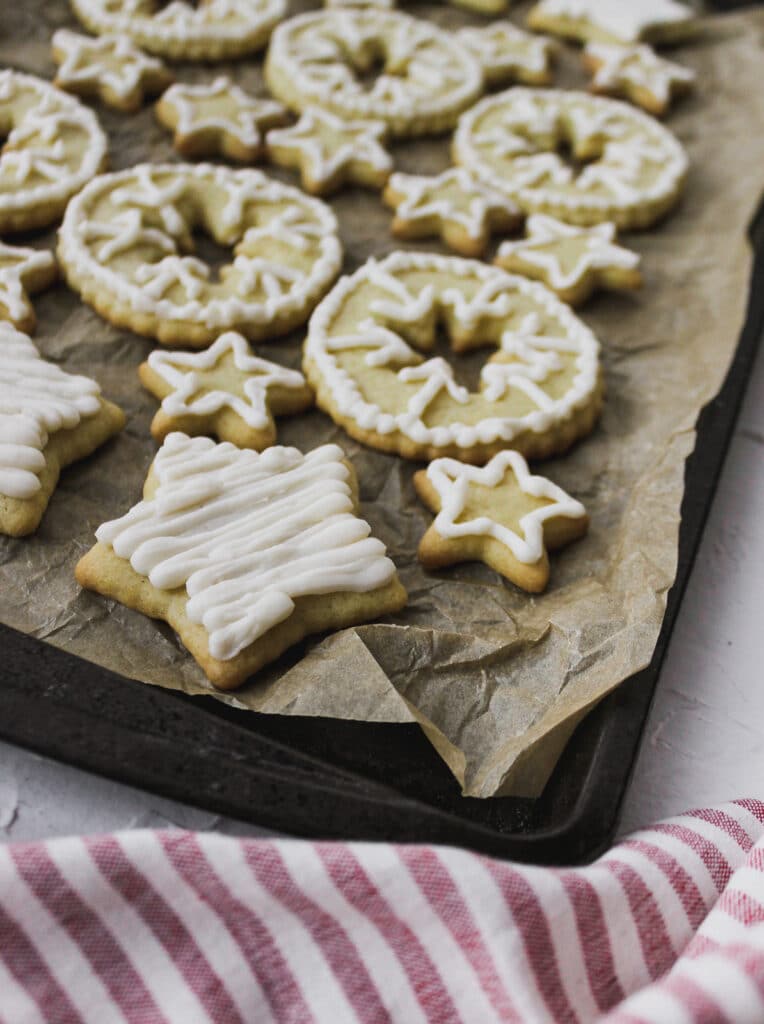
(704, 741)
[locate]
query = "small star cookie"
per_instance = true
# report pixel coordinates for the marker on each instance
(110, 67)
(454, 205)
(218, 119)
(570, 260)
(614, 21)
(638, 74)
(501, 515)
(226, 391)
(23, 272)
(330, 151)
(507, 54)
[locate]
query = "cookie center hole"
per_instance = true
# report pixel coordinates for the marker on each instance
(576, 163)
(211, 252)
(466, 365)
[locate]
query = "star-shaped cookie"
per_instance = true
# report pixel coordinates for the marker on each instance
(499, 514)
(110, 67)
(331, 152)
(226, 391)
(454, 205)
(218, 119)
(570, 260)
(615, 21)
(507, 54)
(22, 273)
(638, 74)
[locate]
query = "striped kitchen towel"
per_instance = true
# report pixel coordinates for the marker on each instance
(152, 926)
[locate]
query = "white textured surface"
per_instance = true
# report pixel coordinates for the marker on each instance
(704, 741)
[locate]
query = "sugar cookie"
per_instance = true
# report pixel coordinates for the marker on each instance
(225, 391)
(54, 145)
(540, 391)
(614, 21)
(572, 261)
(500, 515)
(244, 554)
(507, 54)
(218, 119)
(22, 273)
(111, 68)
(634, 172)
(48, 419)
(212, 30)
(122, 238)
(331, 151)
(428, 77)
(387, 4)
(638, 74)
(455, 205)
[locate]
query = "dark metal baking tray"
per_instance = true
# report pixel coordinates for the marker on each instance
(329, 778)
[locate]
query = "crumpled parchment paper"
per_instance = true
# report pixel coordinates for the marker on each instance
(497, 679)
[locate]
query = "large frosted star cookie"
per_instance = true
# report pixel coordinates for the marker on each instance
(638, 74)
(572, 261)
(244, 554)
(23, 272)
(209, 30)
(218, 119)
(366, 358)
(111, 68)
(331, 151)
(126, 238)
(614, 21)
(54, 145)
(459, 208)
(507, 54)
(48, 419)
(226, 391)
(626, 167)
(325, 58)
(500, 515)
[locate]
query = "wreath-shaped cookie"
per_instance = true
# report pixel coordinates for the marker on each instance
(539, 392)
(126, 245)
(212, 30)
(427, 78)
(633, 167)
(54, 145)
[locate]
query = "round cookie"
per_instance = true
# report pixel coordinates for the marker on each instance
(428, 77)
(54, 146)
(212, 30)
(540, 392)
(126, 239)
(634, 168)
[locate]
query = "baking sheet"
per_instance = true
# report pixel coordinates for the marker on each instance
(497, 679)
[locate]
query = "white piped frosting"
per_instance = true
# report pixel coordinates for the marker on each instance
(181, 371)
(246, 534)
(452, 479)
(37, 399)
(636, 167)
(54, 146)
(147, 211)
(489, 296)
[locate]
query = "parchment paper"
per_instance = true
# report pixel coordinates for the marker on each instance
(497, 679)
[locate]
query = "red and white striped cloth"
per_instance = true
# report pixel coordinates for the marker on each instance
(175, 926)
